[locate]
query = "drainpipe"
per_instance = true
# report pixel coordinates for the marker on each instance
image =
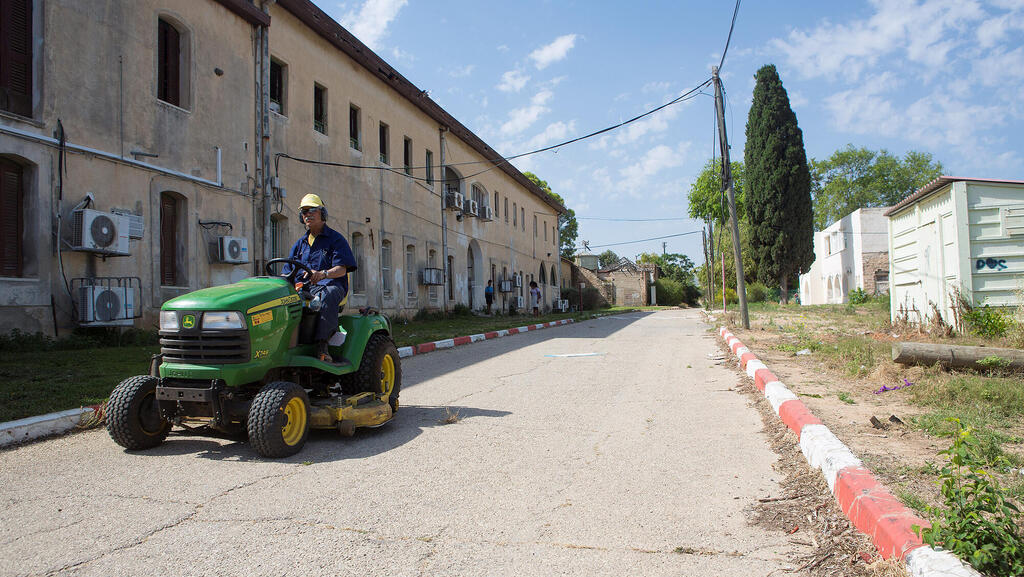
(444, 224)
(263, 108)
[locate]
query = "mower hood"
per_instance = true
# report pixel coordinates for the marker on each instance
(240, 296)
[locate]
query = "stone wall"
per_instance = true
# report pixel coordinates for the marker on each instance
(872, 263)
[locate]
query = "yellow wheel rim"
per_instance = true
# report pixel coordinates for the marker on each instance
(295, 421)
(387, 375)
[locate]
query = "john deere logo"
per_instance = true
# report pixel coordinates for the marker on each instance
(188, 321)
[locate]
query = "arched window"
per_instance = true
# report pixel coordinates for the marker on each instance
(12, 218)
(495, 204)
(451, 278)
(553, 279)
(543, 276)
(173, 63)
(385, 267)
(172, 240)
(357, 279)
(410, 273)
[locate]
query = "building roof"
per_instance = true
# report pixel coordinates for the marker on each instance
(938, 183)
(318, 20)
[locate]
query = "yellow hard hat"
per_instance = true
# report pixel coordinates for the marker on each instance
(311, 200)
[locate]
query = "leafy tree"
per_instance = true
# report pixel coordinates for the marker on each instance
(855, 178)
(568, 227)
(707, 200)
(677, 267)
(778, 191)
(607, 258)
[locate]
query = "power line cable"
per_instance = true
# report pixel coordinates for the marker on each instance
(629, 219)
(592, 246)
(735, 13)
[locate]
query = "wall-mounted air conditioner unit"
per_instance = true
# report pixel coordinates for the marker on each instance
(99, 232)
(106, 306)
(471, 208)
(486, 213)
(505, 286)
(453, 200)
(519, 303)
(233, 249)
(518, 280)
(432, 276)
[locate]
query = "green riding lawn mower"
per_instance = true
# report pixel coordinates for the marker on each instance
(240, 359)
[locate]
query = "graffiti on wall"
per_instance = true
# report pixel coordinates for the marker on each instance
(992, 263)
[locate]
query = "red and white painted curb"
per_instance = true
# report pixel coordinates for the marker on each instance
(457, 341)
(869, 505)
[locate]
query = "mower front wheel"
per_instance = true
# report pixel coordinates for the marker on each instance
(380, 371)
(133, 416)
(279, 420)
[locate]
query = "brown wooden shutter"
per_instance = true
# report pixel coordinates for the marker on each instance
(16, 56)
(168, 67)
(168, 240)
(11, 192)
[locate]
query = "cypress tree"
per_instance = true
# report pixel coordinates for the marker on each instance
(778, 187)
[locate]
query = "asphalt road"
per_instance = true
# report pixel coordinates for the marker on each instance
(631, 457)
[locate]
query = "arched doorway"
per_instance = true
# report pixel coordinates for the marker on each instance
(542, 283)
(476, 269)
(470, 265)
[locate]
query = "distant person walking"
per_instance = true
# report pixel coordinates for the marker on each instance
(489, 295)
(535, 298)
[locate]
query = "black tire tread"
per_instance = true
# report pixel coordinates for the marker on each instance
(264, 422)
(122, 418)
(368, 375)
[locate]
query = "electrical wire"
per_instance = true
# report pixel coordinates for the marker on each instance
(589, 246)
(497, 162)
(735, 13)
(629, 219)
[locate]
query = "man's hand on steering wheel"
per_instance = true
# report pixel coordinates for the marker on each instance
(292, 276)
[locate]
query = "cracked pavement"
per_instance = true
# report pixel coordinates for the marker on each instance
(625, 463)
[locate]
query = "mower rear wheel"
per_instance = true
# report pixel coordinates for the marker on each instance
(380, 371)
(133, 416)
(279, 419)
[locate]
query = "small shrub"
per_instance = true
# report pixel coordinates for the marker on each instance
(846, 398)
(978, 523)
(986, 322)
(756, 292)
(994, 364)
(858, 296)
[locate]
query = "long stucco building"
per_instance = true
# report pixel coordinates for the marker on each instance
(153, 147)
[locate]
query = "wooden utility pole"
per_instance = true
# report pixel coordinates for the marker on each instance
(723, 141)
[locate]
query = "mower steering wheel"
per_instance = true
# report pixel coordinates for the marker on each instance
(296, 267)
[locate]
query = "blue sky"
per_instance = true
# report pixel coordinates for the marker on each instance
(940, 76)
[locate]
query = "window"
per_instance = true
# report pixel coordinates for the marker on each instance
(432, 263)
(476, 193)
(171, 240)
(358, 278)
(522, 219)
(495, 204)
(535, 227)
(430, 167)
(278, 82)
(385, 267)
(554, 236)
(407, 155)
(319, 109)
(515, 213)
(545, 230)
(382, 136)
(278, 235)
(451, 285)
(353, 128)
(172, 64)
(410, 273)
(16, 57)
(12, 186)
(506, 210)
(553, 278)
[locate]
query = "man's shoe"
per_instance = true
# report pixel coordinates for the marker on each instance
(321, 352)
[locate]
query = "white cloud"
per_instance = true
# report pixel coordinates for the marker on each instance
(659, 87)
(402, 55)
(503, 48)
(637, 177)
(462, 71)
(921, 32)
(370, 23)
(513, 81)
(555, 132)
(522, 118)
(557, 50)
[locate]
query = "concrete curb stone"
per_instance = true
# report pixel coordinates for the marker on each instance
(867, 503)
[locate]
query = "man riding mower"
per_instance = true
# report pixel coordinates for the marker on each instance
(262, 356)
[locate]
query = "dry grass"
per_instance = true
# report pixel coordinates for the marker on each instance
(451, 416)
